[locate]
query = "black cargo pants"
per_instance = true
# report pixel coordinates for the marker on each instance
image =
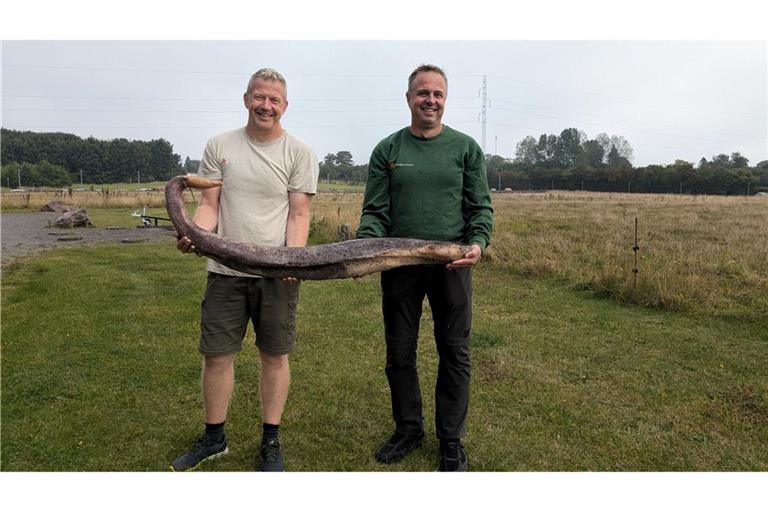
(450, 298)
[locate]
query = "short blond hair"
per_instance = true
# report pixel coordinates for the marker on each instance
(426, 68)
(268, 74)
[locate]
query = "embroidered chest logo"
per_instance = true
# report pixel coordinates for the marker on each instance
(391, 165)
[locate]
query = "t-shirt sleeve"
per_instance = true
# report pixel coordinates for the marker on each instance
(210, 166)
(303, 177)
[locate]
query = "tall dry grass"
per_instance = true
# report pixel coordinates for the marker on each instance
(105, 198)
(697, 254)
(330, 211)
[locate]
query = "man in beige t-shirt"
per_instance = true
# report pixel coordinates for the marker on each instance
(269, 179)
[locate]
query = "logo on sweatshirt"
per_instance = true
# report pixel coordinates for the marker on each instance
(391, 165)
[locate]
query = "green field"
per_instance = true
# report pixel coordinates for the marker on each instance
(575, 366)
(101, 373)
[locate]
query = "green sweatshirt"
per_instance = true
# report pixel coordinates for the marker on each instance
(431, 189)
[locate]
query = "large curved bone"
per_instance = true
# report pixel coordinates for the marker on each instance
(353, 258)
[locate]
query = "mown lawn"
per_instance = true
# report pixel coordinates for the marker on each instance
(100, 372)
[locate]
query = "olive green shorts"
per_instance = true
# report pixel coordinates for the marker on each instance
(230, 302)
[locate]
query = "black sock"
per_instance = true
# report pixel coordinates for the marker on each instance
(269, 432)
(444, 442)
(215, 431)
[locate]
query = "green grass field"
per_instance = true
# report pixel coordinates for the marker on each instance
(100, 372)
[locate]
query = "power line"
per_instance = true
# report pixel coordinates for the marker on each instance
(208, 98)
(188, 71)
(484, 111)
(620, 98)
(483, 114)
(12, 109)
(290, 126)
(361, 75)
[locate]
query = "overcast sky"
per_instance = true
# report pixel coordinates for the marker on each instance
(669, 99)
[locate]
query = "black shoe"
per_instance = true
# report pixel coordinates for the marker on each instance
(204, 449)
(398, 446)
(453, 457)
(271, 456)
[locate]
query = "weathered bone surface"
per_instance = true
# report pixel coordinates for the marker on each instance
(353, 258)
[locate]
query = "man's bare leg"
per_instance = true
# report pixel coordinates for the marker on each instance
(218, 383)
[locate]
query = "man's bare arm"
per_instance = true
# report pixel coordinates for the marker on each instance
(206, 216)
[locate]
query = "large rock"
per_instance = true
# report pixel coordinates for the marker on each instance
(55, 206)
(73, 218)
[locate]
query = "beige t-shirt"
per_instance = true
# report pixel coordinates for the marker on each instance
(253, 207)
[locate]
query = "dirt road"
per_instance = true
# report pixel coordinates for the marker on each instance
(30, 232)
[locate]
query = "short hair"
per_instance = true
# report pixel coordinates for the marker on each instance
(268, 74)
(426, 68)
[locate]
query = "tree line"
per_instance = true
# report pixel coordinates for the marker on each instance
(573, 161)
(39, 158)
(568, 161)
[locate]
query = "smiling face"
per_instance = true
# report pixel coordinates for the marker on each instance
(426, 99)
(266, 102)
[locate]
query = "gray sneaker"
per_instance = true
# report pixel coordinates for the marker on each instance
(271, 456)
(453, 457)
(203, 449)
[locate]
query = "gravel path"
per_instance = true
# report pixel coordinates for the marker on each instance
(31, 232)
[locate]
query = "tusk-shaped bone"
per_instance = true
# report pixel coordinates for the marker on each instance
(353, 258)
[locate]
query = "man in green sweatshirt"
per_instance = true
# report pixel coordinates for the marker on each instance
(428, 181)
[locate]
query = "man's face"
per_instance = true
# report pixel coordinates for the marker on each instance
(426, 99)
(266, 103)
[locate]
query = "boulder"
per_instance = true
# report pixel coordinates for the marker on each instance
(55, 206)
(73, 218)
